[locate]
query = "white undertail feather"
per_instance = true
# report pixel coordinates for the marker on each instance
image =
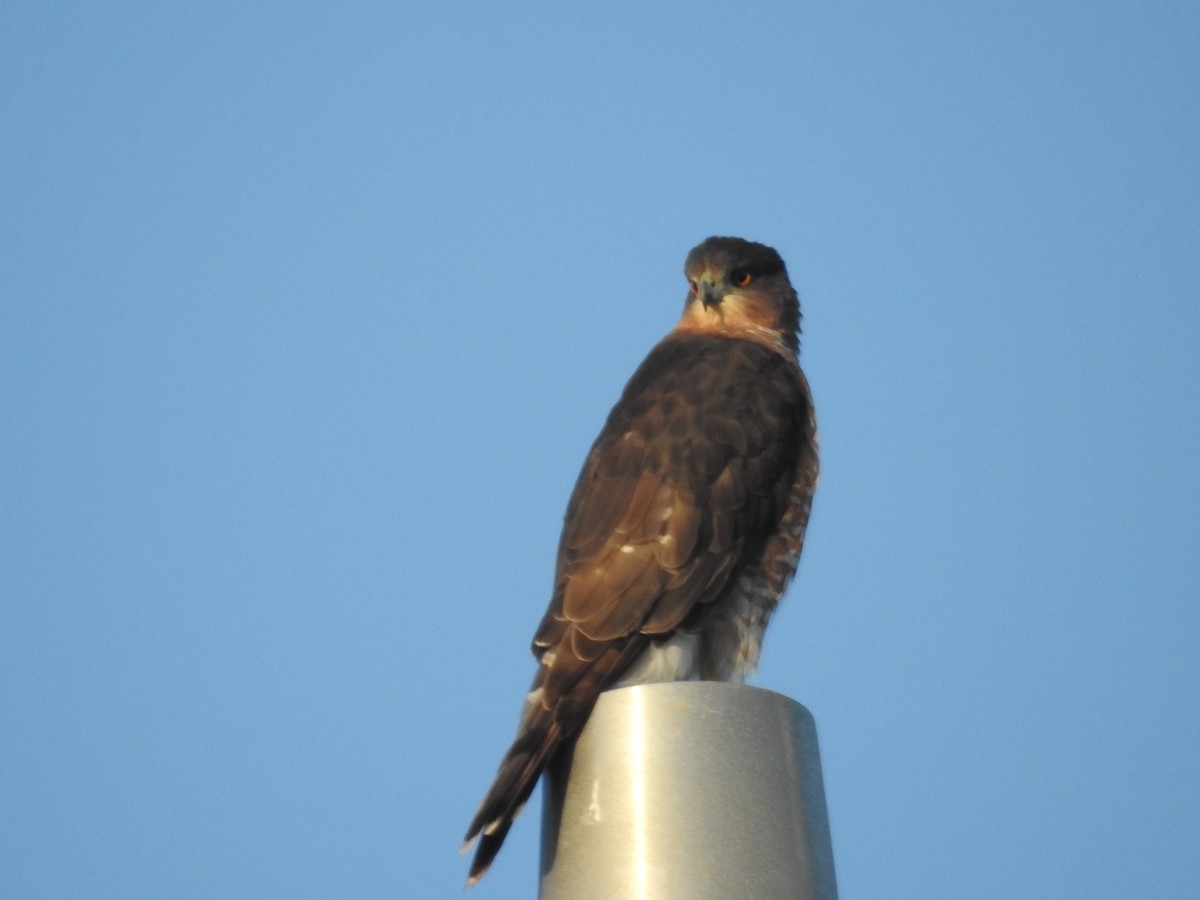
(676, 659)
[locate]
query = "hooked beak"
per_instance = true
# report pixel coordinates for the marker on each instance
(710, 294)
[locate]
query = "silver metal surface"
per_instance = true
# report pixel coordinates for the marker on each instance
(696, 790)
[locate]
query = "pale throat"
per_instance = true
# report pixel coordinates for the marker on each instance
(733, 317)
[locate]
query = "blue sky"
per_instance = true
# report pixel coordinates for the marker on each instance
(309, 313)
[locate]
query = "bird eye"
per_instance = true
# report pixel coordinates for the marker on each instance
(692, 286)
(741, 278)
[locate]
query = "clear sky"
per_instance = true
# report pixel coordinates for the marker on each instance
(309, 313)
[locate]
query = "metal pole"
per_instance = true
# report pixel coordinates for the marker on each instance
(697, 790)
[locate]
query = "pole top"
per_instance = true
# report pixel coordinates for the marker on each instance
(703, 790)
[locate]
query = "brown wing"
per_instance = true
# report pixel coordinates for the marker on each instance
(688, 479)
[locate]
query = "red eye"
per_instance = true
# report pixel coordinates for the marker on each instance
(742, 278)
(692, 285)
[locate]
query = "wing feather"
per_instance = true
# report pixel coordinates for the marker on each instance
(688, 477)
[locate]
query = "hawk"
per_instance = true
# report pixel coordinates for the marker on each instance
(686, 523)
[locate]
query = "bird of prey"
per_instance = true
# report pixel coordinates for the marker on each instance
(686, 523)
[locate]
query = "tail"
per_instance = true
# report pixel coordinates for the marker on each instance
(565, 688)
(522, 766)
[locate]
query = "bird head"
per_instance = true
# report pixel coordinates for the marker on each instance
(740, 289)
